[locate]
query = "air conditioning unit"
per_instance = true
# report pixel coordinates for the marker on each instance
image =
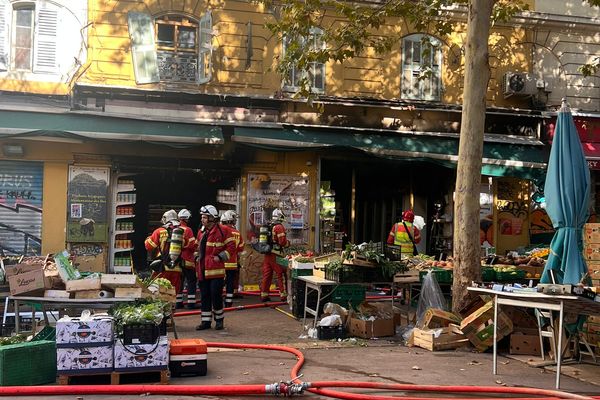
(519, 84)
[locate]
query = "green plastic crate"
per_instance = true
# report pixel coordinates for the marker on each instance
(301, 272)
(348, 294)
(48, 333)
(28, 364)
(510, 276)
(441, 275)
(488, 274)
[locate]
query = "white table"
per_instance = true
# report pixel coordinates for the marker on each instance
(57, 303)
(560, 303)
(314, 283)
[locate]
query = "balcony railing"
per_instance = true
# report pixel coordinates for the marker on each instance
(177, 67)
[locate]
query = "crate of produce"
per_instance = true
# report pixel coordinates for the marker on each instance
(488, 274)
(28, 363)
(348, 294)
(346, 274)
(331, 332)
(441, 275)
(509, 276)
(295, 272)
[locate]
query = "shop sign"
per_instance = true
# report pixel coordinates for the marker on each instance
(289, 193)
(21, 186)
(589, 133)
(87, 204)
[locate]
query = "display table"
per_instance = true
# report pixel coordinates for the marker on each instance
(60, 303)
(560, 303)
(314, 283)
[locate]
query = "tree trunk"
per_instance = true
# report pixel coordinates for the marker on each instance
(467, 251)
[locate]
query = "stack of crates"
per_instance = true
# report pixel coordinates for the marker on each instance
(591, 251)
(28, 363)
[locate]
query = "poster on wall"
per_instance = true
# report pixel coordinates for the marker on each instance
(21, 186)
(289, 193)
(87, 204)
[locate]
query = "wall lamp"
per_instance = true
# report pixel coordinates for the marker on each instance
(13, 150)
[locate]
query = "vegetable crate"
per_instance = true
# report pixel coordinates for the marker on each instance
(28, 363)
(143, 333)
(346, 274)
(348, 294)
(295, 272)
(441, 275)
(514, 275)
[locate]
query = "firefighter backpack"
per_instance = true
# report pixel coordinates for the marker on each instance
(265, 239)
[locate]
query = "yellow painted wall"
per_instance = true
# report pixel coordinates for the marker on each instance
(54, 214)
(16, 85)
(368, 75)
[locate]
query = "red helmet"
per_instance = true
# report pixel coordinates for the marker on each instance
(408, 216)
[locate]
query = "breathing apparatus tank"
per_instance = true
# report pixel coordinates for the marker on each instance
(176, 244)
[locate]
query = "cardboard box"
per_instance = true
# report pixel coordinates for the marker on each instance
(76, 331)
(144, 356)
(16, 269)
(591, 233)
(527, 344)
(299, 265)
(29, 283)
(436, 318)
(591, 251)
(57, 294)
(72, 359)
(371, 329)
(447, 338)
(129, 293)
(75, 285)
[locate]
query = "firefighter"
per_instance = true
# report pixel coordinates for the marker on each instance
(270, 265)
(216, 245)
(232, 267)
(405, 235)
(187, 254)
(167, 262)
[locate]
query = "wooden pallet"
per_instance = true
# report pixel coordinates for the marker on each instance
(115, 377)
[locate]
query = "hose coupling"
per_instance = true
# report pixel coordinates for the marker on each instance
(285, 388)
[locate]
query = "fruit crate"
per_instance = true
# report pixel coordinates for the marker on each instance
(488, 274)
(28, 363)
(441, 275)
(348, 294)
(510, 276)
(48, 333)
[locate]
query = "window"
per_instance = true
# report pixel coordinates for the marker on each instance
(421, 68)
(29, 37)
(316, 70)
(171, 48)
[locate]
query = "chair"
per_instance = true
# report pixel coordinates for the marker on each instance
(573, 339)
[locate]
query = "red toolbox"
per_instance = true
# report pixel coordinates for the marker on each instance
(187, 357)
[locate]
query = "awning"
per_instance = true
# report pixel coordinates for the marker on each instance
(499, 159)
(26, 124)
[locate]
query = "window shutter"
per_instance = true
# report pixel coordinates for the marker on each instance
(45, 38)
(143, 50)
(205, 49)
(5, 9)
(411, 68)
(318, 79)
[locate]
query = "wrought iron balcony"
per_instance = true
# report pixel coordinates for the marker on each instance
(177, 67)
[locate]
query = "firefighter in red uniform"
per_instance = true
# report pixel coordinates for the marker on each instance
(216, 244)
(270, 262)
(405, 235)
(232, 271)
(158, 248)
(187, 254)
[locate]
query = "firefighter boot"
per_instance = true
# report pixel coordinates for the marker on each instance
(219, 325)
(203, 326)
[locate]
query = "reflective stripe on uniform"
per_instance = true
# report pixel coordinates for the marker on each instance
(230, 265)
(214, 272)
(219, 314)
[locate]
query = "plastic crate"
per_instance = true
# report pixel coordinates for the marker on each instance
(28, 363)
(331, 332)
(348, 294)
(48, 333)
(488, 274)
(346, 275)
(441, 275)
(147, 333)
(510, 276)
(295, 272)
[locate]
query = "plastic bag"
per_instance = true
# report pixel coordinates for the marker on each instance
(431, 297)
(331, 320)
(335, 309)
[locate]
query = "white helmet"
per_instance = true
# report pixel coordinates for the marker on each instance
(209, 210)
(169, 216)
(229, 216)
(184, 214)
(277, 215)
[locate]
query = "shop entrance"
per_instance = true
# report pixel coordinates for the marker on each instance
(158, 189)
(383, 189)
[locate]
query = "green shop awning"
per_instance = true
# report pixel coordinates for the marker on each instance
(72, 124)
(499, 158)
